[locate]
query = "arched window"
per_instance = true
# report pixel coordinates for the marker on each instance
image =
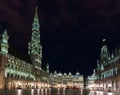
(12, 66)
(8, 65)
(11, 75)
(15, 76)
(8, 75)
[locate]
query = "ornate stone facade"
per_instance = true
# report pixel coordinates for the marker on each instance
(18, 73)
(60, 80)
(90, 81)
(108, 70)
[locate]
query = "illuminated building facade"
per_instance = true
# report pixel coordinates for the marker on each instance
(65, 80)
(18, 73)
(90, 81)
(108, 70)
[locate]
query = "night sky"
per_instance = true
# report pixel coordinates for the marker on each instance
(71, 30)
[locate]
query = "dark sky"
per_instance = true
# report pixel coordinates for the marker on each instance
(71, 30)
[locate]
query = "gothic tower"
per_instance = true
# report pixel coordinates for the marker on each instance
(104, 54)
(34, 46)
(3, 57)
(104, 51)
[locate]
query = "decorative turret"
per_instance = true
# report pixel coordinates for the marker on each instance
(3, 57)
(36, 26)
(34, 46)
(94, 71)
(47, 68)
(4, 43)
(104, 51)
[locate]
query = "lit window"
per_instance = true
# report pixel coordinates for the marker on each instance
(9, 60)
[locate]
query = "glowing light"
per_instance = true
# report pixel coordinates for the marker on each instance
(104, 40)
(32, 91)
(19, 92)
(99, 93)
(109, 85)
(58, 85)
(63, 91)
(49, 91)
(58, 91)
(19, 83)
(109, 93)
(42, 90)
(101, 85)
(45, 90)
(45, 85)
(38, 91)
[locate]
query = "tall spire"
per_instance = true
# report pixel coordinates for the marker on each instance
(34, 46)
(36, 25)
